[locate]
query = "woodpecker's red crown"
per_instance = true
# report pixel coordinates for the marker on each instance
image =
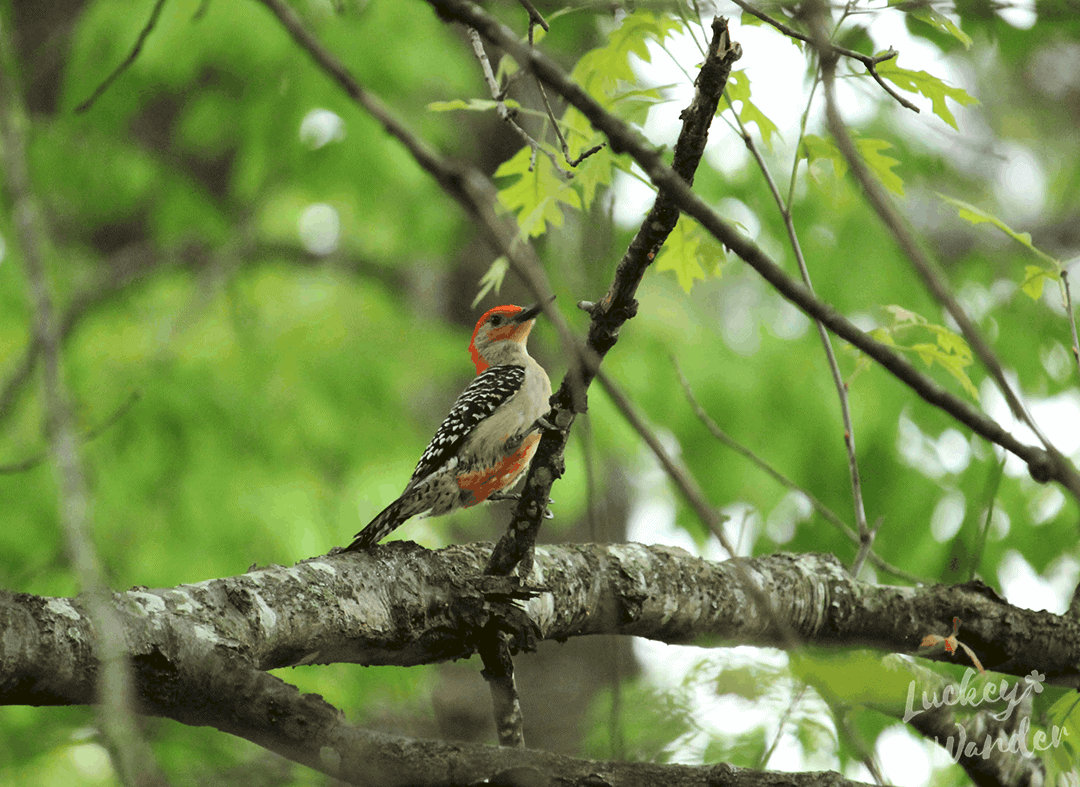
(500, 325)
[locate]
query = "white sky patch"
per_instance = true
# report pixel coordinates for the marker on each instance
(902, 757)
(1057, 416)
(948, 453)
(1045, 505)
(321, 127)
(792, 509)
(1019, 13)
(319, 227)
(632, 198)
(1021, 182)
(948, 516)
(1025, 588)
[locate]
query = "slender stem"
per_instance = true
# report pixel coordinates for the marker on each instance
(834, 367)
(783, 480)
(1070, 315)
(132, 757)
(870, 61)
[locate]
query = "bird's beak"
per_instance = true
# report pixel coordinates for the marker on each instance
(531, 312)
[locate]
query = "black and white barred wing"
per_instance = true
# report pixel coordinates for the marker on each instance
(485, 395)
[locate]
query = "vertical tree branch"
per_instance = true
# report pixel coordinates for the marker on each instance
(619, 304)
(132, 758)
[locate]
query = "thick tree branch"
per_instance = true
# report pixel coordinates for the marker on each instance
(401, 604)
(223, 691)
(1042, 465)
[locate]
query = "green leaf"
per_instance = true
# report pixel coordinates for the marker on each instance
(927, 85)
(536, 196)
(853, 678)
(684, 251)
(472, 105)
(942, 23)
(633, 105)
(738, 89)
(949, 349)
(1035, 276)
(815, 148)
(903, 317)
(493, 279)
(1064, 717)
(600, 70)
(595, 171)
(1034, 279)
(969, 212)
(881, 165)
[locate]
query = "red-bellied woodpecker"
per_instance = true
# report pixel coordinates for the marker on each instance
(486, 442)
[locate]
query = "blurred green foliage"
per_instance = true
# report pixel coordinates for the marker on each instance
(284, 393)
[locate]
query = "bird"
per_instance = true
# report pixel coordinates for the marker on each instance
(488, 439)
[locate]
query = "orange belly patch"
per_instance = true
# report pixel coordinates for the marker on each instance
(486, 481)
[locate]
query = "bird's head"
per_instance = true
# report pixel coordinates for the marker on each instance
(501, 334)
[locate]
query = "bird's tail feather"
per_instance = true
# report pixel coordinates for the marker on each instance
(379, 527)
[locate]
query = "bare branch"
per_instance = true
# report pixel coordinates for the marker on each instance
(867, 60)
(826, 512)
(823, 334)
(42, 456)
(135, 50)
(663, 594)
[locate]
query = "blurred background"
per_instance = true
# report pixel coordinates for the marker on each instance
(266, 305)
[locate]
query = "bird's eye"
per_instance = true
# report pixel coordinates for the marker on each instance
(496, 320)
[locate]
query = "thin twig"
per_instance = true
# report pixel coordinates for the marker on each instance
(91, 434)
(763, 760)
(535, 18)
(870, 61)
(503, 110)
(866, 545)
(120, 69)
(1071, 315)
(571, 161)
(826, 512)
(823, 334)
